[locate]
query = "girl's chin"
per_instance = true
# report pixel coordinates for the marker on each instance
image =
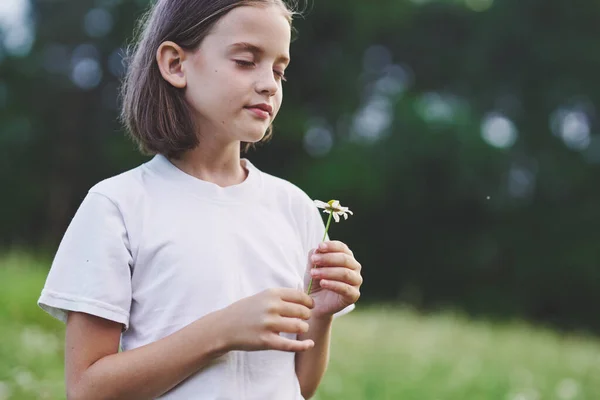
(252, 139)
(253, 136)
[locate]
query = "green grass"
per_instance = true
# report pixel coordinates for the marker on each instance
(398, 354)
(31, 349)
(377, 353)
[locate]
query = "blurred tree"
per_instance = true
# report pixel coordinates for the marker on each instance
(464, 135)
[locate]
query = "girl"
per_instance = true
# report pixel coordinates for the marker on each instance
(195, 262)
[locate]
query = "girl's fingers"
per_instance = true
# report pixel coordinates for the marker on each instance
(336, 260)
(335, 246)
(350, 293)
(294, 310)
(340, 274)
(290, 325)
(280, 343)
(293, 296)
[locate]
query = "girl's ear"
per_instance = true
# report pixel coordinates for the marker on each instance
(169, 57)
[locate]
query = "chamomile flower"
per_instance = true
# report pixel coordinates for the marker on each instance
(334, 207)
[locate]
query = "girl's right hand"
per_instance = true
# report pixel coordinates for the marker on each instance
(256, 321)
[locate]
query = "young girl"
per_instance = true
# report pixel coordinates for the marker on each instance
(196, 262)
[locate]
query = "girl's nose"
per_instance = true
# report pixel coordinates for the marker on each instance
(266, 83)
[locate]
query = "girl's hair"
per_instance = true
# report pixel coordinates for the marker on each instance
(154, 112)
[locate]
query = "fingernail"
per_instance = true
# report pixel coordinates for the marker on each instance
(314, 272)
(316, 258)
(323, 246)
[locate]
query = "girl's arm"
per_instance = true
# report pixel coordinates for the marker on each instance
(311, 365)
(336, 286)
(94, 369)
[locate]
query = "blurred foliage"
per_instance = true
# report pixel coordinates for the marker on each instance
(381, 352)
(463, 134)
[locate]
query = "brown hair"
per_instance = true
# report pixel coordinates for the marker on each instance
(154, 112)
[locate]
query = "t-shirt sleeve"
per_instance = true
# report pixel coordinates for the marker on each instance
(91, 271)
(316, 231)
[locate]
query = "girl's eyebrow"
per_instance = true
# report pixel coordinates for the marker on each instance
(256, 50)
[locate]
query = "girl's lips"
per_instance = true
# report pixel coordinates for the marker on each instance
(262, 114)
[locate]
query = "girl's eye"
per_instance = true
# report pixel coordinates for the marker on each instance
(244, 63)
(250, 64)
(280, 75)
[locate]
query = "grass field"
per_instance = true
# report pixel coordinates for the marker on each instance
(377, 353)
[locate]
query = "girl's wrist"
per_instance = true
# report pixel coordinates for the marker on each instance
(322, 318)
(221, 339)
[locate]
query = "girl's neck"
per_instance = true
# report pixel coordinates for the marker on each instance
(219, 166)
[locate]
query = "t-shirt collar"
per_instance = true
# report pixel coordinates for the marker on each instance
(239, 193)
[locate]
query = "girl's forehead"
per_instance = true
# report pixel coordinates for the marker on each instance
(264, 27)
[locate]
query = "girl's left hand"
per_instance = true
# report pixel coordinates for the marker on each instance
(336, 278)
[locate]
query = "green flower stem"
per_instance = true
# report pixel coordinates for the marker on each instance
(324, 237)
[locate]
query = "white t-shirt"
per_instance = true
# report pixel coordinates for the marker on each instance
(156, 249)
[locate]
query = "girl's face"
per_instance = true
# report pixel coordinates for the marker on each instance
(234, 80)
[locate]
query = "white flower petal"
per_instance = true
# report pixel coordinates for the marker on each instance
(335, 208)
(321, 204)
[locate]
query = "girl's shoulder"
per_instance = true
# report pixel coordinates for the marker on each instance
(122, 185)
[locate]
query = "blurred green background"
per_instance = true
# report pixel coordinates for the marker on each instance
(464, 135)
